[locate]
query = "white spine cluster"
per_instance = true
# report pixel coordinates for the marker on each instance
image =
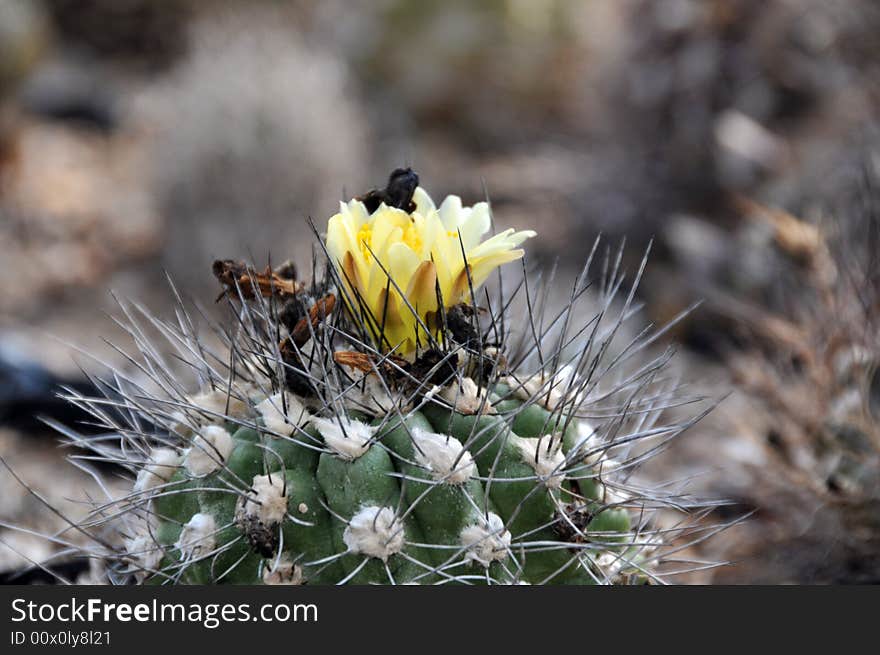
(283, 413)
(209, 451)
(467, 398)
(198, 537)
(348, 438)
(366, 393)
(443, 456)
(161, 464)
(210, 406)
(486, 541)
(548, 390)
(218, 403)
(283, 572)
(587, 441)
(375, 532)
(611, 563)
(266, 501)
(545, 456)
(144, 552)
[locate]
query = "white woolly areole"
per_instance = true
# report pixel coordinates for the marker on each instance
(348, 438)
(159, 467)
(614, 496)
(266, 501)
(209, 451)
(217, 402)
(180, 424)
(197, 538)
(144, 551)
(208, 407)
(486, 541)
(545, 456)
(283, 572)
(443, 456)
(277, 419)
(140, 545)
(365, 392)
(375, 532)
(587, 440)
(610, 563)
(548, 390)
(467, 397)
(609, 465)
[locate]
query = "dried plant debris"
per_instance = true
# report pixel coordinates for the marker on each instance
(805, 359)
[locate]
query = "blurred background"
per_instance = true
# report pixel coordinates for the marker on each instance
(141, 137)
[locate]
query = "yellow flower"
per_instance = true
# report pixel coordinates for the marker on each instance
(421, 252)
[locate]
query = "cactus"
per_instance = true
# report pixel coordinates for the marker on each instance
(388, 422)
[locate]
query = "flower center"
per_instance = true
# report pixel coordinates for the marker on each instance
(365, 240)
(412, 238)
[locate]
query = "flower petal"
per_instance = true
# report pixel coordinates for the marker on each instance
(450, 213)
(424, 204)
(422, 252)
(476, 224)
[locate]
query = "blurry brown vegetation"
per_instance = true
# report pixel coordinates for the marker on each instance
(138, 137)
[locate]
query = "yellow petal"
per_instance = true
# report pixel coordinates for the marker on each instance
(351, 274)
(475, 225)
(450, 213)
(424, 204)
(483, 267)
(422, 290)
(402, 263)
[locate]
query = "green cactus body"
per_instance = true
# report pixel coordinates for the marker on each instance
(349, 486)
(527, 506)
(311, 537)
(448, 504)
(610, 525)
(296, 451)
(436, 519)
(176, 501)
(533, 420)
